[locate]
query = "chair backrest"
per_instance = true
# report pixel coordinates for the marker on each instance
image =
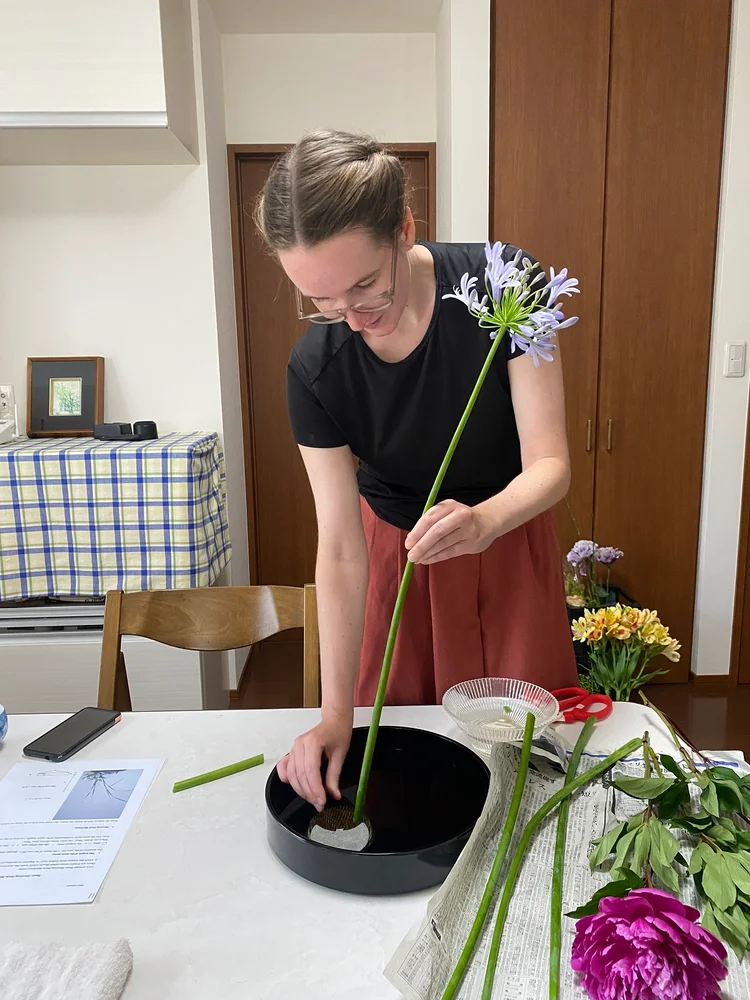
(207, 618)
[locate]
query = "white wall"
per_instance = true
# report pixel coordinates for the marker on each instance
(134, 263)
(81, 55)
(113, 261)
(211, 113)
(463, 120)
(278, 86)
(727, 398)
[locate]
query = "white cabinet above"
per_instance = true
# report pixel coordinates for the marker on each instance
(96, 81)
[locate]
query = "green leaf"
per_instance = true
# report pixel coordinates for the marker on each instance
(666, 842)
(642, 847)
(708, 921)
(703, 780)
(722, 836)
(718, 884)
(671, 765)
(680, 859)
(721, 773)
(729, 796)
(624, 847)
(738, 873)
(743, 857)
(733, 928)
(605, 845)
(644, 788)
(699, 857)
(665, 873)
(743, 840)
(746, 801)
(636, 821)
(694, 821)
(670, 803)
(710, 800)
(620, 888)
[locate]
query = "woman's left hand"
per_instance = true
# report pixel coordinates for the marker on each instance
(447, 530)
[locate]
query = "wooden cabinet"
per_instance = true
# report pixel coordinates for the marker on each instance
(608, 120)
(97, 81)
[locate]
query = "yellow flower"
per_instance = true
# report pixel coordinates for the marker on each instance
(671, 652)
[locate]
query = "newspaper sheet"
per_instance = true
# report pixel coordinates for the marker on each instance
(425, 959)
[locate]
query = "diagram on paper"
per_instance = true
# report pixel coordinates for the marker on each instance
(99, 795)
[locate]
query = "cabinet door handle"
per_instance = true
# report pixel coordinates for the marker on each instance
(589, 432)
(610, 425)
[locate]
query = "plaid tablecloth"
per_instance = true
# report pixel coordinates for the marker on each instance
(80, 517)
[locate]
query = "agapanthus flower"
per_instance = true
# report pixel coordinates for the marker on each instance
(518, 303)
(608, 554)
(647, 946)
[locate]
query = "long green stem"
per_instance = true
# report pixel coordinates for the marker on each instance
(555, 922)
(515, 866)
(377, 708)
(489, 890)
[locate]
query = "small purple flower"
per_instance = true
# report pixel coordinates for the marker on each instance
(583, 549)
(647, 946)
(468, 294)
(501, 274)
(608, 554)
(560, 284)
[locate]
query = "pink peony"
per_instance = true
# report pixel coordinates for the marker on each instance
(647, 946)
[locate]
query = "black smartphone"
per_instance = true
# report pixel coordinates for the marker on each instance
(70, 736)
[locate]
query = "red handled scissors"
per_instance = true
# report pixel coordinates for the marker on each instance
(577, 705)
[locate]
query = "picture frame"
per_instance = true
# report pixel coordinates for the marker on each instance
(64, 396)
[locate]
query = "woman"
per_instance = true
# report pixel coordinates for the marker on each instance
(384, 372)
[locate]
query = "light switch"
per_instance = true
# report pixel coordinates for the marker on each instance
(734, 361)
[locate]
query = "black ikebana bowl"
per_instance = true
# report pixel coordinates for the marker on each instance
(426, 793)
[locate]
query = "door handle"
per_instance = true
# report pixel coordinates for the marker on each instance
(610, 425)
(589, 434)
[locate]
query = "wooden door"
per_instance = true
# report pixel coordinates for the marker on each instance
(665, 135)
(281, 515)
(550, 66)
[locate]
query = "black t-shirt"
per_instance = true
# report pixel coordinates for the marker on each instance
(398, 418)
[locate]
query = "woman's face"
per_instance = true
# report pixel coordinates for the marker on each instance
(348, 269)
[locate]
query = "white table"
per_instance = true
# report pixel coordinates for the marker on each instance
(209, 911)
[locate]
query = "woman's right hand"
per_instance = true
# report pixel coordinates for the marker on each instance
(301, 768)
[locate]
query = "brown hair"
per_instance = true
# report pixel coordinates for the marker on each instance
(328, 183)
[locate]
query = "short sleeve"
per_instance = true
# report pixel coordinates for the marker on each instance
(311, 425)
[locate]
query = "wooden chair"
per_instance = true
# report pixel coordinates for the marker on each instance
(207, 618)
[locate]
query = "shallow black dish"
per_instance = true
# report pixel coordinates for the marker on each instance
(426, 793)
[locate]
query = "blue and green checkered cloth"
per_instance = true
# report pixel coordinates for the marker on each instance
(80, 517)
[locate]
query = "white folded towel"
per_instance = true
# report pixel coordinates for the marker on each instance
(64, 972)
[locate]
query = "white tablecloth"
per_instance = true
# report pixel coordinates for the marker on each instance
(210, 912)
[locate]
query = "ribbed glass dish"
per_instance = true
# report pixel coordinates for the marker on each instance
(493, 709)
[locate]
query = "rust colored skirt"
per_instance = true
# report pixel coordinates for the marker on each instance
(501, 613)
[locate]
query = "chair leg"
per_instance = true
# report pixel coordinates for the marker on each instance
(122, 689)
(311, 658)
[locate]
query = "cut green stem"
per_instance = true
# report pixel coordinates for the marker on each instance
(515, 866)
(220, 772)
(489, 890)
(556, 906)
(377, 708)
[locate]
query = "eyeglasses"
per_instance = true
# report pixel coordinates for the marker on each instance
(374, 304)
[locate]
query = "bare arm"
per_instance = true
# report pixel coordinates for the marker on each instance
(340, 575)
(452, 529)
(341, 579)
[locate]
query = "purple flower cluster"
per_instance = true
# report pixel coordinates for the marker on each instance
(647, 946)
(586, 549)
(608, 554)
(582, 549)
(513, 303)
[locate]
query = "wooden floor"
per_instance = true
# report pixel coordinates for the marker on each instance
(713, 721)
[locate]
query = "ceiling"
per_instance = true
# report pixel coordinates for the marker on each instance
(266, 17)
